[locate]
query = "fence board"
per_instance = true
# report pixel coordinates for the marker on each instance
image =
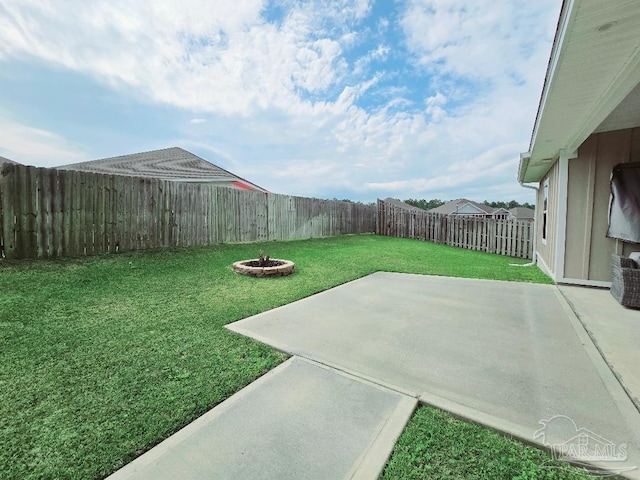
(50, 212)
(23, 217)
(98, 217)
(165, 239)
(28, 207)
(7, 216)
(123, 213)
(44, 213)
(109, 214)
(504, 237)
(20, 202)
(56, 217)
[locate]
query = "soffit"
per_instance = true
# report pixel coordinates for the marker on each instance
(595, 64)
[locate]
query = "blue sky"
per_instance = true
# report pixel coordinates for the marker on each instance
(350, 99)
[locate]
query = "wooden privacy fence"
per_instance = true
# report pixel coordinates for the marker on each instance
(59, 213)
(504, 237)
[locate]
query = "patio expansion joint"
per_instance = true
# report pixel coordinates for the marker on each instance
(313, 359)
(356, 375)
(373, 459)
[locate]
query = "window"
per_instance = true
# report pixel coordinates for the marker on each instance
(545, 204)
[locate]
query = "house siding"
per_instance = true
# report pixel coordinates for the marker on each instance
(547, 250)
(588, 250)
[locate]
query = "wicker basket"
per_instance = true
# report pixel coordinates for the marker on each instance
(625, 284)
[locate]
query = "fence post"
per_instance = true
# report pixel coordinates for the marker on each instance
(491, 235)
(7, 215)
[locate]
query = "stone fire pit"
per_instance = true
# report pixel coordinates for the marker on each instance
(264, 267)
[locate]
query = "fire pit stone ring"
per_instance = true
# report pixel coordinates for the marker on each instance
(273, 268)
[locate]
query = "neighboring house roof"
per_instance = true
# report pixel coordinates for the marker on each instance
(174, 164)
(398, 203)
(592, 82)
(462, 206)
(522, 213)
(7, 160)
(500, 211)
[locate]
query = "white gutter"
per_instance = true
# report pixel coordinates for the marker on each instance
(524, 158)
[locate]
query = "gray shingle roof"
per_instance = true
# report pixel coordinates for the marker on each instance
(454, 205)
(7, 160)
(172, 163)
(523, 213)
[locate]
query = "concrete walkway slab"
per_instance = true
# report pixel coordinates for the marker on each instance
(299, 421)
(614, 329)
(510, 355)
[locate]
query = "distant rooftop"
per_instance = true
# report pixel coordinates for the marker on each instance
(175, 164)
(523, 213)
(453, 206)
(7, 160)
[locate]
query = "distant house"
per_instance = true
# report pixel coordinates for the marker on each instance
(469, 208)
(586, 130)
(522, 214)
(172, 164)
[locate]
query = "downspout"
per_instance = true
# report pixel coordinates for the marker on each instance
(524, 158)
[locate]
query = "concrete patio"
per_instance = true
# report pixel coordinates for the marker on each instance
(614, 329)
(508, 355)
(301, 420)
(512, 356)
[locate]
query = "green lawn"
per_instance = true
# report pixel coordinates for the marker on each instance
(437, 446)
(102, 358)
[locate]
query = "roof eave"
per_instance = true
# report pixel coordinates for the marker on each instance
(547, 144)
(566, 13)
(522, 168)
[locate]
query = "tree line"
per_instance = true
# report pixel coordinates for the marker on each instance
(434, 203)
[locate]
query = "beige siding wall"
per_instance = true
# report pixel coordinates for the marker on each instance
(580, 192)
(547, 249)
(588, 250)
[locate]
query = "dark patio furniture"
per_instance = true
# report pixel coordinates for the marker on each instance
(625, 284)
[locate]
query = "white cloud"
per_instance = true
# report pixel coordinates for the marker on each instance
(434, 106)
(493, 162)
(481, 39)
(282, 99)
(33, 146)
(208, 56)
(364, 62)
(213, 152)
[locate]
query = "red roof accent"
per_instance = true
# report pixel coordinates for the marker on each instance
(244, 186)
